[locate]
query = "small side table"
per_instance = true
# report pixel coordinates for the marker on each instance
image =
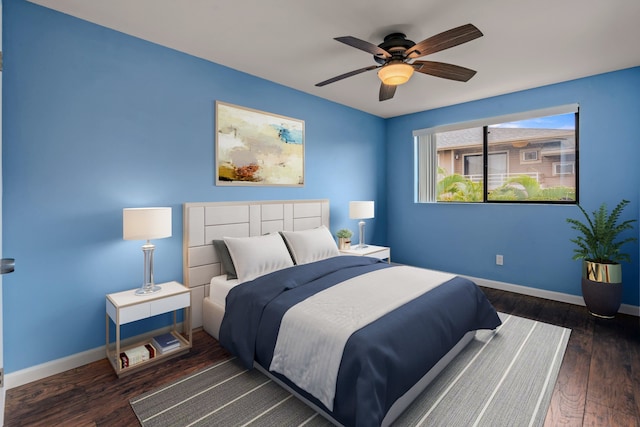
(125, 307)
(380, 252)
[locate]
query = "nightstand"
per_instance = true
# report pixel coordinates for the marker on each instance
(126, 307)
(380, 252)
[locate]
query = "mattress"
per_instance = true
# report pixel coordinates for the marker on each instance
(219, 289)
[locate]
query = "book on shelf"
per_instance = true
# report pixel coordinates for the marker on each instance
(135, 355)
(165, 342)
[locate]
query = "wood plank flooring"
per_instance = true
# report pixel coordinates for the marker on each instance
(598, 383)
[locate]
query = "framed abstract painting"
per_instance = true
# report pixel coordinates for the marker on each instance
(256, 148)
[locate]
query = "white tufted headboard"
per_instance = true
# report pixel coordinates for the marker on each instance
(206, 221)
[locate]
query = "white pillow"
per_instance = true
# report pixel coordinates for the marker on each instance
(256, 256)
(311, 245)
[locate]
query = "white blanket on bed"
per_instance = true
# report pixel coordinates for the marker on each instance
(313, 333)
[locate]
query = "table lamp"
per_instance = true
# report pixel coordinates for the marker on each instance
(146, 224)
(361, 210)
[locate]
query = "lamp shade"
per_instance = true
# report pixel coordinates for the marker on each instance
(361, 210)
(146, 223)
(395, 73)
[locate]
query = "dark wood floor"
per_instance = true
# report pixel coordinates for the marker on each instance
(598, 383)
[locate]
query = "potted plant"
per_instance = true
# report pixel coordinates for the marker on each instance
(344, 238)
(600, 252)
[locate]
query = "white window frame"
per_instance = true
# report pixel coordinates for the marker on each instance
(523, 154)
(555, 165)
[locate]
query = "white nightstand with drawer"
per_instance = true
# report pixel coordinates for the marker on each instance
(126, 307)
(380, 252)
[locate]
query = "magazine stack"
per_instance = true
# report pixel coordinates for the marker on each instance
(165, 342)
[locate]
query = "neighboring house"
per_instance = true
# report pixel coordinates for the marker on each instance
(548, 155)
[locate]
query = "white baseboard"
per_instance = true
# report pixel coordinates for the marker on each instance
(632, 310)
(38, 372)
(34, 373)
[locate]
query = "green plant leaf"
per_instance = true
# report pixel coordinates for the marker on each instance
(599, 233)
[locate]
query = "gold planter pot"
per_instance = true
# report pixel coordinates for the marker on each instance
(602, 288)
(604, 273)
(344, 242)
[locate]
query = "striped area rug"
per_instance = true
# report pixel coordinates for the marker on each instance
(504, 378)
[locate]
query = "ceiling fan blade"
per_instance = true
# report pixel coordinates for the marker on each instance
(364, 45)
(446, 71)
(345, 75)
(386, 91)
(444, 40)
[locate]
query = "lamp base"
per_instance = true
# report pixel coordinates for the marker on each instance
(359, 247)
(361, 244)
(148, 290)
(148, 286)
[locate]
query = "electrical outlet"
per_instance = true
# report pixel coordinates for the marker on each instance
(499, 260)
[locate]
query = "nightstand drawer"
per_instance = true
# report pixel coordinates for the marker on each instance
(132, 307)
(151, 308)
(133, 313)
(169, 304)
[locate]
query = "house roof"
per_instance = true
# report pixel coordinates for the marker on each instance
(473, 137)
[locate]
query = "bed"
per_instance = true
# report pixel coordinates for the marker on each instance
(355, 338)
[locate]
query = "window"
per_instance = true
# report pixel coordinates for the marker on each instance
(564, 168)
(528, 157)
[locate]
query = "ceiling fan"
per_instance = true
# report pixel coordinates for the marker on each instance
(396, 55)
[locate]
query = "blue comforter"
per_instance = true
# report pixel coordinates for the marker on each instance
(382, 360)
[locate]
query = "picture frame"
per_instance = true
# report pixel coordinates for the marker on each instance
(257, 148)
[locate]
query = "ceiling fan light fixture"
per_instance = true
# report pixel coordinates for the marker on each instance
(395, 73)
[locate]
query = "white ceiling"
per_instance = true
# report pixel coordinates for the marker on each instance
(526, 43)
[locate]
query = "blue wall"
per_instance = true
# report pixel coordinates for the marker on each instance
(95, 121)
(534, 239)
